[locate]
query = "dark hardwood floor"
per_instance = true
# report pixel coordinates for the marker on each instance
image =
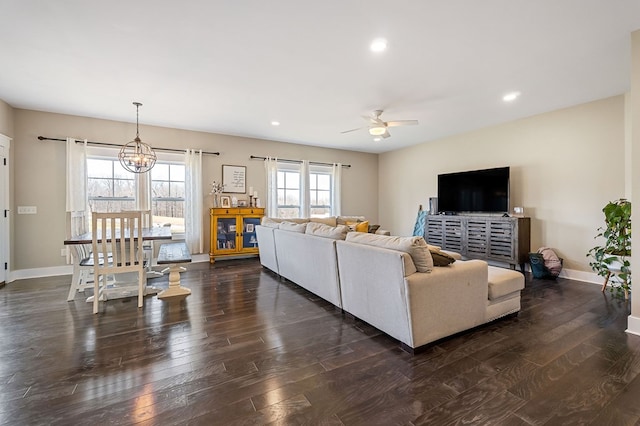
(245, 348)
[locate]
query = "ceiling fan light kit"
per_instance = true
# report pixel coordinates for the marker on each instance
(379, 128)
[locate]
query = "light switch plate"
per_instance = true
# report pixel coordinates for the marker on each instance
(27, 210)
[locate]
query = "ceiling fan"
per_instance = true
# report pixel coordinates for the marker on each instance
(379, 128)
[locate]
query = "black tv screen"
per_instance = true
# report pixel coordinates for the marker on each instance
(477, 191)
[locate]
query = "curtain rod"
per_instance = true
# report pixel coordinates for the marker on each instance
(44, 138)
(315, 163)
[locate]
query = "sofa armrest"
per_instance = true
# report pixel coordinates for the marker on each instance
(383, 232)
(447, 300)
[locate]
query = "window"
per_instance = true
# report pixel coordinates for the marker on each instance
(289, 205)
(167, 195)
(292, 203)
(320, 191)
(110, 188)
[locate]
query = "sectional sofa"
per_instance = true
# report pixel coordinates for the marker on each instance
(390, 282)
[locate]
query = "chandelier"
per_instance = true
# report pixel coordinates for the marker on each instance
(136, 156)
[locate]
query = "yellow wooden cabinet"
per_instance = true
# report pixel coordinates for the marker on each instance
(233, 231)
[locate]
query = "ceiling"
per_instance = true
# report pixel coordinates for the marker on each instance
(233, 67)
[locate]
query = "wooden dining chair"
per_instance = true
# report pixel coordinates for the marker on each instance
(81, 259)
(118, 235)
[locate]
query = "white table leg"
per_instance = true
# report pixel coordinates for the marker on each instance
(174, 283)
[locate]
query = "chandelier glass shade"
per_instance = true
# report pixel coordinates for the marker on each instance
(137, 156)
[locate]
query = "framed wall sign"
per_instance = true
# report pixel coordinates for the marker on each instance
(234, 179)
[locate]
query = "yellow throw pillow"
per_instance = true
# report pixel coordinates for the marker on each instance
(362, 226)
(358, 226)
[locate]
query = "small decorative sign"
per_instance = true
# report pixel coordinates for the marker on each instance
(234, 179)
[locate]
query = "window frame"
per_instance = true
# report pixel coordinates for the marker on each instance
(286, 167)
(314, 172)
(153, 199)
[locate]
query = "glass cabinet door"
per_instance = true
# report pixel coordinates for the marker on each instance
(226, 233)
(249, 239)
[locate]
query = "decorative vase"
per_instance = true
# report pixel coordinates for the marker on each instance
(216, 200)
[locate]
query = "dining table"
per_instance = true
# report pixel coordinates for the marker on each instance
(148, 234)
(153, 233)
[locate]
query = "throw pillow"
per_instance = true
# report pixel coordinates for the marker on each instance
(342, 220)
(358, 226)
(267, 221)
(331, 221)
(362, 226)
(294, 227)
(415, 246)
(321, 230)
(441, 259)
(373, 228)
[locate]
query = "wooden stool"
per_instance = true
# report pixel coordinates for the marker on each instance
(173, 254)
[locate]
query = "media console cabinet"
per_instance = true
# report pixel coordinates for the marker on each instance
(502, 239)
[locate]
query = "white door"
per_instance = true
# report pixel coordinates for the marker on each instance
(4, 208)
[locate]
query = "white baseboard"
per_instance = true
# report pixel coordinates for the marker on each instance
(54, 271)
(633, 325)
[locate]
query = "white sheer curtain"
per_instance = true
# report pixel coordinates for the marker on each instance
(193, 200)
(271, 168)
(305, 208)
(143, 191)
(336, 194)
(76, 181)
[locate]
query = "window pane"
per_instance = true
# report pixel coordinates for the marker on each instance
(177, 172)
(120, 172)
(280, 196)
(324, 182)
(320, 212)
(159, 189)
(177, 189)
(292, 180)
(313, 181)
(160, 172)
(324, 198)
(99, 168)
(123, 188)
(169, 212)
(288, 213)
(292, 198)
(99, 187)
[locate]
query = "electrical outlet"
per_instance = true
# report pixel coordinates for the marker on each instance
(27, 210)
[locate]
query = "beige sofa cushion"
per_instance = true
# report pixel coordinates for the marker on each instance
(342, 220)
(503, 282)
(321, 230)
(331, 221)
(294, 227)
(416, 247)
(269, 222)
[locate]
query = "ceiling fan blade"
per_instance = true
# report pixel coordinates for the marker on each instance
(401, 123)
(352, 130)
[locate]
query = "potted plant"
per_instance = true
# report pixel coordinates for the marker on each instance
(611, 260)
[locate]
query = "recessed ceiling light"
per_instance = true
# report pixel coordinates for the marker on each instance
(377, 139)
(275, 123)
(509, 97)
(378, 45)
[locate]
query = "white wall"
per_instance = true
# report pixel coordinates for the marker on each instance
(39, 172)
(565, 166)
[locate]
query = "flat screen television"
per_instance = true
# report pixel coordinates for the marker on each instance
(477, 191)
